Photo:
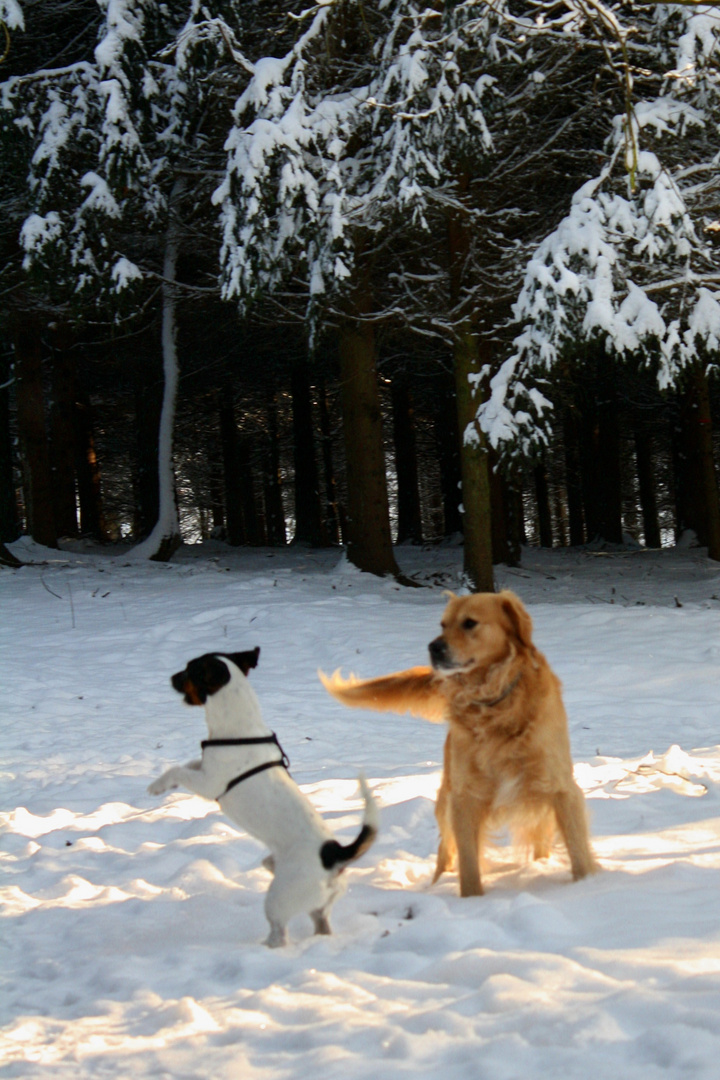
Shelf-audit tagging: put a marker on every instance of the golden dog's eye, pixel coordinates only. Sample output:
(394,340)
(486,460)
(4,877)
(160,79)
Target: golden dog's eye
(469,624)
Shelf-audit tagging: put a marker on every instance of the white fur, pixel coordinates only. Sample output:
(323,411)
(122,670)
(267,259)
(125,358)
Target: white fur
(269,806)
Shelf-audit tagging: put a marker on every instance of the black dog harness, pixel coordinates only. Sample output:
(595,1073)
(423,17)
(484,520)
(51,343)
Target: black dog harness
(252,741)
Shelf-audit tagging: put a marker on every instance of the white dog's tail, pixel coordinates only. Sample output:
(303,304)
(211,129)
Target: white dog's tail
(334,854)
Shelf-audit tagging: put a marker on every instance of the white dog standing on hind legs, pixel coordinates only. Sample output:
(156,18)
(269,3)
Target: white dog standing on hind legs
(244,768)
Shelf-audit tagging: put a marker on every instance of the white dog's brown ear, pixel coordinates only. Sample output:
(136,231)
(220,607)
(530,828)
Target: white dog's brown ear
(518,616)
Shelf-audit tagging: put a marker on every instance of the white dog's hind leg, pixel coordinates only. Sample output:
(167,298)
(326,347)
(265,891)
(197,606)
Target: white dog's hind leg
(280,906)
(277,935)
(299,886)
(320,921)
(321,915)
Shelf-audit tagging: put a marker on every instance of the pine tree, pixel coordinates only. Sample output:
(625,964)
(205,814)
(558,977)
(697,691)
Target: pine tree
(109,140)
(631,267)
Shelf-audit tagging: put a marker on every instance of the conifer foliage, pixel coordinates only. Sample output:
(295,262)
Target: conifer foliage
(517,196)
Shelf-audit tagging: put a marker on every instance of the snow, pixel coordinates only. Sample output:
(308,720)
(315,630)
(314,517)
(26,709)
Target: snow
(124,273)
(591,279)
(704,323)
(37,231)
(124,24)
(11,14)
(132,925)
(697,43)
(57,131)
(99,196)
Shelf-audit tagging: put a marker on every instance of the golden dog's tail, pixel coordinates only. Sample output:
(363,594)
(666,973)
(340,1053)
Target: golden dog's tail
(415,691)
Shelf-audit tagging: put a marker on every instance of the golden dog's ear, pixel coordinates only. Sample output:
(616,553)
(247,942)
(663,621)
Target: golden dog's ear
(518,615)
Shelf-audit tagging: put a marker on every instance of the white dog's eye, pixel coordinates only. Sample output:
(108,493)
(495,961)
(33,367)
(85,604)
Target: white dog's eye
(469,624)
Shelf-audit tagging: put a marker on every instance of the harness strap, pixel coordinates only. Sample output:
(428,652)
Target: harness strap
(251,772)
(251,740)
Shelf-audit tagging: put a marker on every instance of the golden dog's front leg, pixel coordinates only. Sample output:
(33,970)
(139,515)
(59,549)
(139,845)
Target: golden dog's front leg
(447,851)
(572,821)
(468,815)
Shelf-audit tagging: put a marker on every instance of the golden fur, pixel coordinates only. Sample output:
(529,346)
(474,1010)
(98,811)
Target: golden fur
(507,754)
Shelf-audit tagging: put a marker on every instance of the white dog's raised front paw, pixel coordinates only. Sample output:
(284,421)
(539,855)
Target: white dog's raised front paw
(166,782)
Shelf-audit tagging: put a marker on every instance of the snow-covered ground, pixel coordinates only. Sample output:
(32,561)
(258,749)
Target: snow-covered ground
(130,941)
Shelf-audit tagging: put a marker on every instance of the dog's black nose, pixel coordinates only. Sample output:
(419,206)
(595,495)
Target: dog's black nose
(178,681)
(438,650)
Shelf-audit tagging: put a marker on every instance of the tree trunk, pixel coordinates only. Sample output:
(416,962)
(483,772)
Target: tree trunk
(92,518)
(498,511)
(560,509)
(588,452)
(148,409)
(646,485)
(308,522)
(448,442)
(409,516)
(515,519)
(702,507)
(683,479)
(274,511)
(64,435)
(215,485)
(477,530)
(165,539)
(599,441)
(369,543)
(332,517)
(35,457)
(609,454)
(246,476)
(7,558)
(707,464)
(573,483)
(477,534)
(542,495)
(9,525)
(234,523)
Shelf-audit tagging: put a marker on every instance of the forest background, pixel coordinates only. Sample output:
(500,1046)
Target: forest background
(360,271)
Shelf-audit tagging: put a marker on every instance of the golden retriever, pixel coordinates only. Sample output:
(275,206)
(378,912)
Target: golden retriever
(507,754)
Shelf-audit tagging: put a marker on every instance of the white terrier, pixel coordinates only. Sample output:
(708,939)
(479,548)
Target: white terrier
(256,792)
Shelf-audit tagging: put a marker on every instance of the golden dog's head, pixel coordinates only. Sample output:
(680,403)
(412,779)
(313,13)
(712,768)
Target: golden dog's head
(479,630)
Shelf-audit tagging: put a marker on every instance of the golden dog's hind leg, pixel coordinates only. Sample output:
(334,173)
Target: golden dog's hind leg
(446,855)
(537,838)
(572,821)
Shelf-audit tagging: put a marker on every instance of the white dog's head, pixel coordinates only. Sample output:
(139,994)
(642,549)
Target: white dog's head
(207,674)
